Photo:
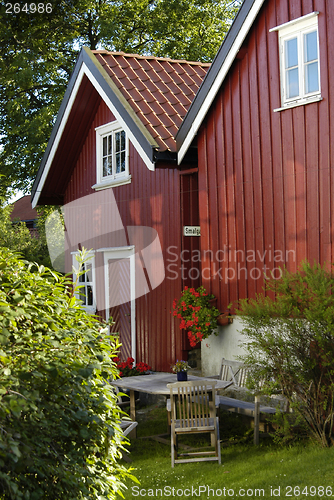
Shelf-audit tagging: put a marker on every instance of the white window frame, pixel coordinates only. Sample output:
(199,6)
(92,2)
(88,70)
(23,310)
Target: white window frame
(297,29)
(115,179)
(91,309)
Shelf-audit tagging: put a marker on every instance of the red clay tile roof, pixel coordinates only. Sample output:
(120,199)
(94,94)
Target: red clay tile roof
(159,90)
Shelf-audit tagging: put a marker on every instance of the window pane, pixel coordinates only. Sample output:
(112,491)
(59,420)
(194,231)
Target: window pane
(89,273)
(105,142)
(311,77)
(109,165)
(310,47)
(89,295)
(118,163)
(82,296)
(123,161)
(109,144)
(123,140)
(292,84)
(117,141)
(105,167)
(291,53)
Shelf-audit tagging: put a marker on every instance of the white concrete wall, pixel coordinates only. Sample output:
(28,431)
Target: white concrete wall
(227,344)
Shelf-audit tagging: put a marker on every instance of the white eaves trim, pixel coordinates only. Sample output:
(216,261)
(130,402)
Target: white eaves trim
(85,71)
(297,21)
(220,78)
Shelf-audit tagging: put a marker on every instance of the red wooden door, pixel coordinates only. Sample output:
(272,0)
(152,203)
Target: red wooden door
(190,256)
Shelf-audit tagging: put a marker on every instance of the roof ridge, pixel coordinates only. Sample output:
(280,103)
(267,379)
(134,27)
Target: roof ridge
(157,58)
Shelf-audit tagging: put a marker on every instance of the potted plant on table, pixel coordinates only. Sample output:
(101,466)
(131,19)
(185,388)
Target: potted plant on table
(197,314)
(181,368)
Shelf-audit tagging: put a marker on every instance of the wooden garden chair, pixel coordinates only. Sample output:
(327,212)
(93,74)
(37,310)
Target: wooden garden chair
(193,411)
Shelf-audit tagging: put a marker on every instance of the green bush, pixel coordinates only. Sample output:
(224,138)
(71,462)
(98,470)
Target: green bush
(59,432)
(290,344)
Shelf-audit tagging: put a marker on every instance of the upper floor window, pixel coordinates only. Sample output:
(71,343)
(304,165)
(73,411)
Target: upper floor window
(299,60)
(112,156)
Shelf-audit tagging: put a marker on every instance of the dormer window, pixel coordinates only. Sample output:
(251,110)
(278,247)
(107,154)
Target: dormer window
(299,61)
(112,156)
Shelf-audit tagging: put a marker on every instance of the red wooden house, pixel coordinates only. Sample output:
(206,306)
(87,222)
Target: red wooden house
(254,167)
(262,124)
(111,163)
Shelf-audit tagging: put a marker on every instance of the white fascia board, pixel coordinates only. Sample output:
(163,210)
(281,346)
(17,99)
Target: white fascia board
(299,20)
(220,78)
(85,71)
(58,136)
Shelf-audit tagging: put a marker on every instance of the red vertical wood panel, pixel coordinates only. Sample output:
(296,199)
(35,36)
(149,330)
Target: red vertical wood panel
(230,277)
(289,188)
(276,135)
(300,193)
(265,257)
(213,206)
(324,141)
(256,154)
(312,175)
(203,202)
(240,254)
(222,230)
(248,175)
(328,73)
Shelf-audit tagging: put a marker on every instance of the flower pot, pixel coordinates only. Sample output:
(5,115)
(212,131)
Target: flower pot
(182,376)
(224,319)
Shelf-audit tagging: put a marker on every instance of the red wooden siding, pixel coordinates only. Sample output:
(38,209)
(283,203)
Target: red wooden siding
(151,199)
(265,178)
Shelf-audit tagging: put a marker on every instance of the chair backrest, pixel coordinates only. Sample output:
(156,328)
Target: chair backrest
(234,372)
(193,403)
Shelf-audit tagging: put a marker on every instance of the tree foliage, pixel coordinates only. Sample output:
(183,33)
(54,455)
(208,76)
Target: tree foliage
(17,237)
(289,342)
(38,52)
(59,431)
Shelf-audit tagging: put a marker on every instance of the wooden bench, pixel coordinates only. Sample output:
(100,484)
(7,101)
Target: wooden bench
(238,373)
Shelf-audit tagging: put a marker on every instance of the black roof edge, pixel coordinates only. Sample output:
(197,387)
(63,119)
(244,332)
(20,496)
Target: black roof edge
(213,71)
(165,156)
(86,57)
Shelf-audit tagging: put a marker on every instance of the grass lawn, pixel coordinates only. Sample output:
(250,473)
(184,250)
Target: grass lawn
(267,471)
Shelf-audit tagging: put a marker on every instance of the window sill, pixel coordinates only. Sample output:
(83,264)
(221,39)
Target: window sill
(112,183)
(300,102)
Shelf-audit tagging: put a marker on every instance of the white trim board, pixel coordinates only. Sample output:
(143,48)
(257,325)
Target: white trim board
(219,79)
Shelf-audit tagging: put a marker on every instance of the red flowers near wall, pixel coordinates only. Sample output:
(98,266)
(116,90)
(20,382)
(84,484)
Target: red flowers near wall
(126,368)
(196,313)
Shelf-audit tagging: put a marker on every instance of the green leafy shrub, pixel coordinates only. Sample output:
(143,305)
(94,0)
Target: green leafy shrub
(290,344)
(59,432)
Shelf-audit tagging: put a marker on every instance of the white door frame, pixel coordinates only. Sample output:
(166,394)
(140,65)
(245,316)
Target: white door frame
(127,252)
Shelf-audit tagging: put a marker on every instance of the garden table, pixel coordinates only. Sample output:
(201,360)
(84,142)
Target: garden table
(156,383)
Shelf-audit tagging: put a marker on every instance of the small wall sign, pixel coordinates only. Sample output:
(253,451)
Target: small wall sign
(191,231)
